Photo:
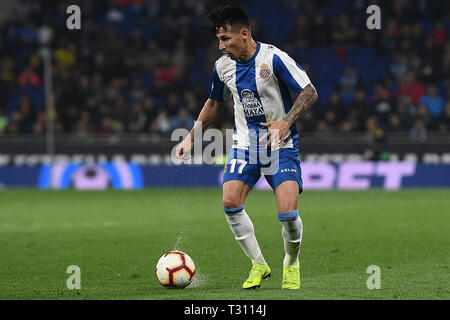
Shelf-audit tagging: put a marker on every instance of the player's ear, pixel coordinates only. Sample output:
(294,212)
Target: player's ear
(245,33)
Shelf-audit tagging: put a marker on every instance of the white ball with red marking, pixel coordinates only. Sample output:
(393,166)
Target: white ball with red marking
(175,269)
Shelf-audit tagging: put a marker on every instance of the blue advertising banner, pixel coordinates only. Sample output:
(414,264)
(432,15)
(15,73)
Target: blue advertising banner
(127,176)
(101,176)
(182,176)
(19,176)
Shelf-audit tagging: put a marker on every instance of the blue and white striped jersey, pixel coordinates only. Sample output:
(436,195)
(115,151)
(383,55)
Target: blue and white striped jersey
(261,89)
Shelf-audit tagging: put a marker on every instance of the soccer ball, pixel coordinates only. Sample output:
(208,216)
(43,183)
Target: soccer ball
(175,269)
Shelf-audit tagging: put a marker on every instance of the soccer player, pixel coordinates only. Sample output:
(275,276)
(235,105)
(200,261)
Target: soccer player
(260,79)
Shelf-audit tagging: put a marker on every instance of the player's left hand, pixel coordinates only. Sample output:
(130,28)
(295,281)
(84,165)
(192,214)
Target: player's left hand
(276,134)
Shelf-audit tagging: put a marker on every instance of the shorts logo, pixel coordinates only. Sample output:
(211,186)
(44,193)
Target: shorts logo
(288,170)
(264,73)
(251,105)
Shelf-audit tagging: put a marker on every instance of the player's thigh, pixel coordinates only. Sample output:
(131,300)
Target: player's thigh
(234,193)
(286,195)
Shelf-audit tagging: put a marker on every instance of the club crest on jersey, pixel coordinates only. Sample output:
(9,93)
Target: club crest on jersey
(264,73)
(251,105)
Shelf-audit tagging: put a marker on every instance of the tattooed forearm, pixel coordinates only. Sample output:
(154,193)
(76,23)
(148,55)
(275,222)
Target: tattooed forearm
(302,104)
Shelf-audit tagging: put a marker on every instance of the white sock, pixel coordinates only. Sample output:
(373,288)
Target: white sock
(244,233)
(292,237)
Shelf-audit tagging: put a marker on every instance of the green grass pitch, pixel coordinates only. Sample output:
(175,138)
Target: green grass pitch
(116,238)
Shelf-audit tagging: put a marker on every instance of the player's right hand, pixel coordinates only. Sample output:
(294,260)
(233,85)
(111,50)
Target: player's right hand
(183,150)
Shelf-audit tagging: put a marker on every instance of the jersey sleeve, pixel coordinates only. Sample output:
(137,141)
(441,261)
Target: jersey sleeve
(219,91)
(290,72)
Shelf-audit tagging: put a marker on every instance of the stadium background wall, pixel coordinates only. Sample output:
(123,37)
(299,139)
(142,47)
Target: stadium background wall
(128,176)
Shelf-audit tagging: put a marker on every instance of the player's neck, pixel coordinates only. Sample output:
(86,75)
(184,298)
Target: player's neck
(249,51)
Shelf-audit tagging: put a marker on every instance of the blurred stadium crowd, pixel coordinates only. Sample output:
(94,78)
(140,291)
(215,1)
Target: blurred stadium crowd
(144,66)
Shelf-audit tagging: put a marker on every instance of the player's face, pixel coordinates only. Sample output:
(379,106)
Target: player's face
(231,42)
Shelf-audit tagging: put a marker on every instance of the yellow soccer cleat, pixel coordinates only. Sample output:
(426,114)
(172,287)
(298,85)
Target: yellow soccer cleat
(257,273)
(291,277)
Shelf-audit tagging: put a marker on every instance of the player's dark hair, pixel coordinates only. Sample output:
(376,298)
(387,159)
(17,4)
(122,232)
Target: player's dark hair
(235,16)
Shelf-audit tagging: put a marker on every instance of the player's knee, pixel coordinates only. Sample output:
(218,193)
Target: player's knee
(287,207)
(230,203)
